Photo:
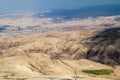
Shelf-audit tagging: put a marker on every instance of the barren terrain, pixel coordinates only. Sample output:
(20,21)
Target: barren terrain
(59,51)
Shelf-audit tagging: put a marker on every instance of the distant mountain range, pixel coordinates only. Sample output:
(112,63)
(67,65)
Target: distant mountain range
(91,11)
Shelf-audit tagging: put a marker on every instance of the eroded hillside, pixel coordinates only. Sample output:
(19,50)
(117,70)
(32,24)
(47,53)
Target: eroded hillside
(57,56)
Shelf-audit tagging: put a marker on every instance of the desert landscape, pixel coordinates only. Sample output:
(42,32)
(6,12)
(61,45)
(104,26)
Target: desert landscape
(62,52)
(60,40)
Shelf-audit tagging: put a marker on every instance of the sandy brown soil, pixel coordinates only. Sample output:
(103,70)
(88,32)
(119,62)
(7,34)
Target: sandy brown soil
(50,57)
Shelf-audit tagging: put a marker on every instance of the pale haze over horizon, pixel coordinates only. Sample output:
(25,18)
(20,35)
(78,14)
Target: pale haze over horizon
(38,5)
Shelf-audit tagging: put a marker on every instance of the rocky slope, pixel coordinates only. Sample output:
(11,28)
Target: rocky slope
(60,45)
(41,67)
(61,55)
(97,45)
(105,47)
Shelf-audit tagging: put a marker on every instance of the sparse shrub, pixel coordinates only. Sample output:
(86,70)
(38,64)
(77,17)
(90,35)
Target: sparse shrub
(99,72)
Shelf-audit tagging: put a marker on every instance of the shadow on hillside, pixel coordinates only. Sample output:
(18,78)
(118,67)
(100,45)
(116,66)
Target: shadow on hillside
(104,47)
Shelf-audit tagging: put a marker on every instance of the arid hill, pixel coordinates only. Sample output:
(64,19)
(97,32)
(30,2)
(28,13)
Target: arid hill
(97,45)
(61,56)
(105,47)
(40,67)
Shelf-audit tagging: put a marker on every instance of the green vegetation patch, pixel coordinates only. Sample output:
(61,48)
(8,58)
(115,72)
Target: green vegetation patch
(99,72)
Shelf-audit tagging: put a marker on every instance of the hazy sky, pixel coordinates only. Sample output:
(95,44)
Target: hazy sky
(37,5)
